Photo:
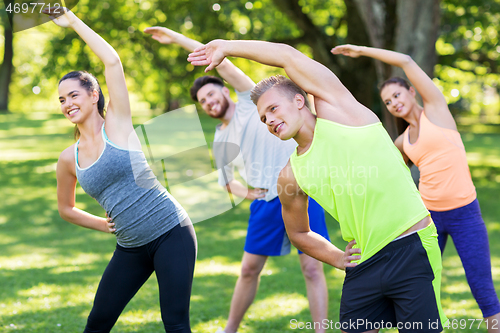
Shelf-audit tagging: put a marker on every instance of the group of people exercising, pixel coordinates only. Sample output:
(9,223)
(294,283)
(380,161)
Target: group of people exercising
(338,158)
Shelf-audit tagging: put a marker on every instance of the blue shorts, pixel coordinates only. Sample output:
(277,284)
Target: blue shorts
(266,234)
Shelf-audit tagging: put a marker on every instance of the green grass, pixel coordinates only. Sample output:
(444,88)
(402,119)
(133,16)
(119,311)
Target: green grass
(49,269)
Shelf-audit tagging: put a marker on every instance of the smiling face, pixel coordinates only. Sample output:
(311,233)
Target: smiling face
(398,100)
(76,102)
(213,99)
(281,115)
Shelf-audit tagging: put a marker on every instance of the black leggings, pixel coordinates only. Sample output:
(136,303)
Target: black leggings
(172,257)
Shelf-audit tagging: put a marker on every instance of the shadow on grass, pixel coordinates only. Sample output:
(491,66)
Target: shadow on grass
(49,269)
(282,293)
(20,120)
(63,319)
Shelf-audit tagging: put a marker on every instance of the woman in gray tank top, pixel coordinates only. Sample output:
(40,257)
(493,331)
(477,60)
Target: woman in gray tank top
(153,231)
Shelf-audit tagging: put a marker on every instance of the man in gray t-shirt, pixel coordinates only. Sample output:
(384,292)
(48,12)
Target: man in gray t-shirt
(259,159)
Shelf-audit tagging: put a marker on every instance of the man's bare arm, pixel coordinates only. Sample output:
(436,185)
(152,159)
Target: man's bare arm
(310,75)
(235,76)
(227,70)
(294,209)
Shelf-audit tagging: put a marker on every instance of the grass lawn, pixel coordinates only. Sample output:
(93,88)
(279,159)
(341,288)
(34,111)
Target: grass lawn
(49,269)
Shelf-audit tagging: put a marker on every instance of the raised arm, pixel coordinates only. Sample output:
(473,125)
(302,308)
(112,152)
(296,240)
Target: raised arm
(294,209)
(235,76)
(311,76)
(119,105)
(434,102)
(167,36)
(227,70)
(66,182)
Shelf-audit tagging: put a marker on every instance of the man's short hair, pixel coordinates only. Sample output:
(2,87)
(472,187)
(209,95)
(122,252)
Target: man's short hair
(285,86)
(201,81)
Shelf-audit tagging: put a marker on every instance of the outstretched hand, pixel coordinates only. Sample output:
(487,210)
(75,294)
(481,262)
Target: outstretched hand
(352,51)
(350,255)
(211,54)
(61,16)
(161,34)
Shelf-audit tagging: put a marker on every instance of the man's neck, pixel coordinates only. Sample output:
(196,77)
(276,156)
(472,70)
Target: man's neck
(305,134)
(226,119)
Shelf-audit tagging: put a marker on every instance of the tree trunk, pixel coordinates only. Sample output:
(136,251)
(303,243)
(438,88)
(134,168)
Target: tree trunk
(358,75)
(379,17)
(417,32)
(409,27)
(6,67)
(312,35)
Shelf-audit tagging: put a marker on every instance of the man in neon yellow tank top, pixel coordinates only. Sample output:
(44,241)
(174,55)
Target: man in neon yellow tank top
(346,161)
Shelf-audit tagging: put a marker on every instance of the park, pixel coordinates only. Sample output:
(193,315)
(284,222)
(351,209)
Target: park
(50,269)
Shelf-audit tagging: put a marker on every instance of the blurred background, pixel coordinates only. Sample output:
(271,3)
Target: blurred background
(50,269)
(455,41)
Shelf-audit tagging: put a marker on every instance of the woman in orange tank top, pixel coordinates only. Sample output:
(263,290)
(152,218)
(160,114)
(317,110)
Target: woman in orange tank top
(431,141)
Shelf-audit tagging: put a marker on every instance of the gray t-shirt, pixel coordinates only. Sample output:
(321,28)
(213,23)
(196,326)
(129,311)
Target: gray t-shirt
(261,156)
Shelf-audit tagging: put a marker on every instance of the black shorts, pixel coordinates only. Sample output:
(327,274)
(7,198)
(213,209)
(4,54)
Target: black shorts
(399,287)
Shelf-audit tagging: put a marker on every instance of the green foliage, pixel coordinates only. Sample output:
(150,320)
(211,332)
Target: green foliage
(327,14)
(29,73)
(159,76)
(468,69)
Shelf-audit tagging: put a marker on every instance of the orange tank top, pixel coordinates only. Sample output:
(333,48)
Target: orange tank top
(439,153)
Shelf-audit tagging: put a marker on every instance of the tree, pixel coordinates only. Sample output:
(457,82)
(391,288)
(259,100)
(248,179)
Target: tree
(469,61)
(161,76)
(409,27)
(6,68)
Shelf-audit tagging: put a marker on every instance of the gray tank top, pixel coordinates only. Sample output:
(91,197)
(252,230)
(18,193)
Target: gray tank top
(124,185)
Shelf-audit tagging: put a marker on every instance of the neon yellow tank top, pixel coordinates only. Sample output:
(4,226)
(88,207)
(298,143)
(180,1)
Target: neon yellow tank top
(360,178)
